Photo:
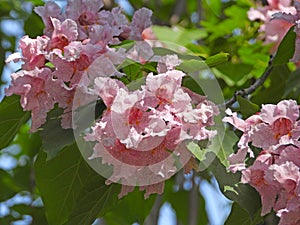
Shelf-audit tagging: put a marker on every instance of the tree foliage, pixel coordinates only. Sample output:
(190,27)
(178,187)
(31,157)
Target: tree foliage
(51,172)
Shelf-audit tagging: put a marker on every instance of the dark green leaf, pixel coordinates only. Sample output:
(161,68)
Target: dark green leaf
(62,181)
(12,117)
(247,108)
(33,26)
(235,73)
(94,200)
(274,92)
(8,187)
(286,48)
(37,213)
(293,85)
(132,208)
(241,217)
(54,137)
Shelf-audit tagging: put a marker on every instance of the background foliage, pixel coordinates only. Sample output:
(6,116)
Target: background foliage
(55,191)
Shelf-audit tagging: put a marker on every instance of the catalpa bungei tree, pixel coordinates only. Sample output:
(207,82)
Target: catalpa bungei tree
(140,107)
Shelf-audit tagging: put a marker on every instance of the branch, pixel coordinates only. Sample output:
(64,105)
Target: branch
(253,87)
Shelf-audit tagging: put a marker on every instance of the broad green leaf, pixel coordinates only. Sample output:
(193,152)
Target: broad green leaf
(54,137)
(131,208)
(293,85)
(241,217)
(12,117)
(33,25)
(286,48)
(247,108)
(61,182)
(94,200)
(234,74)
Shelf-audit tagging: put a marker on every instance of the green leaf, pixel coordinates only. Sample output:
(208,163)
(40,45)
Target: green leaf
(221,147)
(242,194)
(273,93)
(54,137)
(178,35)
(131,208)
(37,213)
(33,26)
(286,48)
(8,187)
(62,182)
(226,146)
(240,216)
(234,73)
(12,117)
(247,108)
(293,85)
(94,200)
(196,150)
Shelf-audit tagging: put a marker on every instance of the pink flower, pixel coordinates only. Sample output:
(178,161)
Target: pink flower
(168,62)
(275,173)
(32,52)
(63,33)
(274,126)
(274,30)
(140,21)
(141,129)
(255,176)
(31,86)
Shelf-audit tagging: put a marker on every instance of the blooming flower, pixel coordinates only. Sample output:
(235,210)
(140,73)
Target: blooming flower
(141,129)
(75,46)
(274,30)
(275,173)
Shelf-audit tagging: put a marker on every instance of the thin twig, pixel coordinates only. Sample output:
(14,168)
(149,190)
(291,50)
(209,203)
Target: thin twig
(253,87)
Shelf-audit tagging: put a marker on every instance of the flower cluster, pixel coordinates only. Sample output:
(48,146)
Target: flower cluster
(146,128)
(74,39)
(275,173)
(274,30)
(141,133)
